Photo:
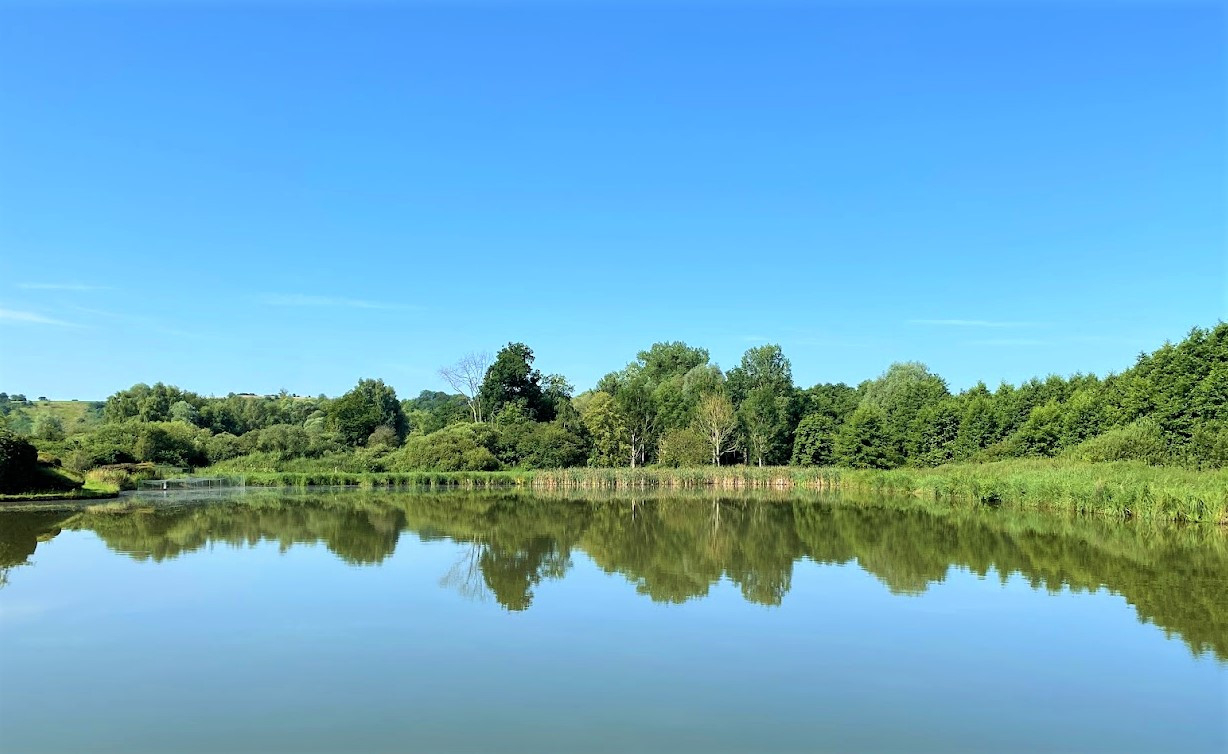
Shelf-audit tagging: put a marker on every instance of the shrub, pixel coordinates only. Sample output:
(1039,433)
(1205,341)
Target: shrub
(18,463)
(460,447)
(683,447)
(1138,441)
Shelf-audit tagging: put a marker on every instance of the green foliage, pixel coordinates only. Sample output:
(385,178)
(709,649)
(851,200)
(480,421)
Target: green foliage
(18,463)
(371,404)
(683,447)
(432,410)
(223,446)
(1141,440)
(459,447)
(170,443)
(814,442)
(863,441)
(606,426)
(182,411)
(383,437)
(512,379)
(1208,447)
(1041,434)
(1171,407)
(550,446)
(49,427)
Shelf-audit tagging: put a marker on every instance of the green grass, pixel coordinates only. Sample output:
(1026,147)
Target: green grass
(1117,490)
(87,492)
(76,416)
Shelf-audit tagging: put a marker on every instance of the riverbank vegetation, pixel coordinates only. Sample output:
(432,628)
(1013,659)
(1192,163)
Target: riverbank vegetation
(672,408)
(1119,489)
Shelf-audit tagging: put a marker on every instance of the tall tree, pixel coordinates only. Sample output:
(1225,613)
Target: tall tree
(606,425)
(715,418)
(511,378)
(370,404)
(767,403)
(466,376)
(863,441)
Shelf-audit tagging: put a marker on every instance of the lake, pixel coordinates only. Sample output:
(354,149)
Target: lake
(347,620)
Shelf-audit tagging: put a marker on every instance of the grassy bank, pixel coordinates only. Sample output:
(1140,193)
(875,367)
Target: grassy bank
(81,493)
(1118,490)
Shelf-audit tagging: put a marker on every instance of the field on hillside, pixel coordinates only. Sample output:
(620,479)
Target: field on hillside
(76,416)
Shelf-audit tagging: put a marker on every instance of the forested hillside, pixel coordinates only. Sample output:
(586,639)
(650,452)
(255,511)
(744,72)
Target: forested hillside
(671,406)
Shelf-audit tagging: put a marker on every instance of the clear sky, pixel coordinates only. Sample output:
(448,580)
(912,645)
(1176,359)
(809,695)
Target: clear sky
(242,197)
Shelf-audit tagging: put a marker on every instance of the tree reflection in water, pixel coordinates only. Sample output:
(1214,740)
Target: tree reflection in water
(674,548)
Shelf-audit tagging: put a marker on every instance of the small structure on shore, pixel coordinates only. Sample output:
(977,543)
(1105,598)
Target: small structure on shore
(190,483)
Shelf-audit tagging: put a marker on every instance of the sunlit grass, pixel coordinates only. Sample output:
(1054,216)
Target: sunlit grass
(1118,490)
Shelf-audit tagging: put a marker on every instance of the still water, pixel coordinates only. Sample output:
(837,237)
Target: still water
(369,621)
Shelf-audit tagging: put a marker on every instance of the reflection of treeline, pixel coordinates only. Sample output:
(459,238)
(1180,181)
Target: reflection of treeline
(675,548)
(357,531)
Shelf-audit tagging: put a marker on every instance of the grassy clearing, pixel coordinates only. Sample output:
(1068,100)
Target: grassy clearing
(1118,490)
(75,416)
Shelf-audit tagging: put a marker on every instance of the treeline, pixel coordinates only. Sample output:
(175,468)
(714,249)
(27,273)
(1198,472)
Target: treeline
(672,406)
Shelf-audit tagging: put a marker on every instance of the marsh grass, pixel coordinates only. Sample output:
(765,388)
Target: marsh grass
(1116,490)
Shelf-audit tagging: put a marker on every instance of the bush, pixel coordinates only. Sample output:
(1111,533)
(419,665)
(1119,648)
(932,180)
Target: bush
(1139,441)
(460,447)
(173,443)
(383,437)
(223,446)
(683,447)
(49,427)
(1209,446)
(18,463)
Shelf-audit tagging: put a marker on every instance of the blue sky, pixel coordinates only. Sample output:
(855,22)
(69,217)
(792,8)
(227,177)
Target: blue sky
(242,197)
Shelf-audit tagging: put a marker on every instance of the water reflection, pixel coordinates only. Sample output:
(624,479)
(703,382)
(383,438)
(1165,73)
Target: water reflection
(675,548)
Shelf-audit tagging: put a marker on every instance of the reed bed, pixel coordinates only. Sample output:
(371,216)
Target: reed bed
(1117,490)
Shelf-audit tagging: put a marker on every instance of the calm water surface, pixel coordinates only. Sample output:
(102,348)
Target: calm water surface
(367,621)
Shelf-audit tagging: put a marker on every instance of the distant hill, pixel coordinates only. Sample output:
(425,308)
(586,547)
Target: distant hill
(76,417)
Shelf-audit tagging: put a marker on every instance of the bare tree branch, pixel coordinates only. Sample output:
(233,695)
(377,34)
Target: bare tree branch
(466,376)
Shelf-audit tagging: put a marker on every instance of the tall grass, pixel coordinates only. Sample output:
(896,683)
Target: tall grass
(1118,489)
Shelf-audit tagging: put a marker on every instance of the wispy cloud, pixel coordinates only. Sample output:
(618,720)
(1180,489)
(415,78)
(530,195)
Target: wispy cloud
(62,287)
(31,318)
(299,299)
(150,324)
(969,323)
(1011,342)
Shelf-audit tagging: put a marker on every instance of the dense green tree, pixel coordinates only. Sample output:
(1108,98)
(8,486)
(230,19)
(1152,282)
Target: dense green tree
(900,394)
(182,411)
(368,405)
(18,463)
(433,410)
(814,441)
(1041,434)
(863,441)
(511,378)
(606,426)
(762,418)
(49,427)
(637,405)
(683,447)
(933,433)
(458,447)
(761,387)
(979,425)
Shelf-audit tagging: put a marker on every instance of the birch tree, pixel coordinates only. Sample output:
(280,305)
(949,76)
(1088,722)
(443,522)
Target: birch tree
(715,418)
